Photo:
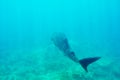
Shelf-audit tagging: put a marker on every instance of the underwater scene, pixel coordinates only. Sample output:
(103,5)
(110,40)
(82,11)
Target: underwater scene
(59,39)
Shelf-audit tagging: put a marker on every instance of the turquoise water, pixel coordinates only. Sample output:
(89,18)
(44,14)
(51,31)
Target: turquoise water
(26,49)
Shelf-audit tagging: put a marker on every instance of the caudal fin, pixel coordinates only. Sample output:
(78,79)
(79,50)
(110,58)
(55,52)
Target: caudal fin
(86,61)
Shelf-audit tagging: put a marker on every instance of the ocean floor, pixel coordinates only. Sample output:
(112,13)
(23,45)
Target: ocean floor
(50,64)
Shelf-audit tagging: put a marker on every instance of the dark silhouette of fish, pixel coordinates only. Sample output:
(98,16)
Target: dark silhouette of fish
(61,41)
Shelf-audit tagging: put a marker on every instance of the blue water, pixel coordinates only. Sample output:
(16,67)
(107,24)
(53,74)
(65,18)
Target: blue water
(26,26)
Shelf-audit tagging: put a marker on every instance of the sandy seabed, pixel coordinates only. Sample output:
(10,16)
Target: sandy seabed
(51,64)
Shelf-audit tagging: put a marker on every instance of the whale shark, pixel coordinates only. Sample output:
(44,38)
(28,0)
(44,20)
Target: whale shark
(61,42)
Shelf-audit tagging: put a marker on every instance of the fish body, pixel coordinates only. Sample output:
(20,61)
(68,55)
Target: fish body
(61,42)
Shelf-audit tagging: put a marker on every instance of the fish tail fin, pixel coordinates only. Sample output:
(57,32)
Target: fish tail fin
(86,61)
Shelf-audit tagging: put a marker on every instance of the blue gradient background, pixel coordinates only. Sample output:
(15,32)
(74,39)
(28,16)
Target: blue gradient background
(27,25)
